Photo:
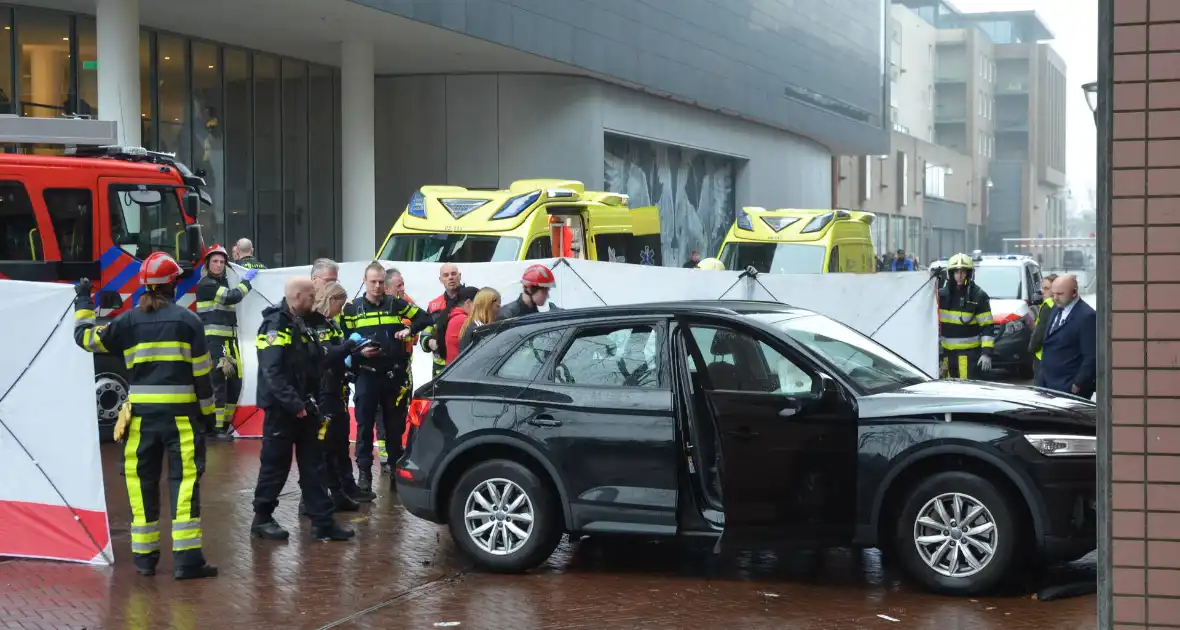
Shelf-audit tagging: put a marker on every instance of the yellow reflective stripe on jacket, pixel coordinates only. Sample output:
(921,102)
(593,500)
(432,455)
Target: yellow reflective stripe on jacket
(272,339)
(984,319)
(206,307)
(961,343)
(374,319)
(202,365)
(84,316)
(162,394)
(157,351)
(220,330)
(222,292)
(948,316)
(92,341)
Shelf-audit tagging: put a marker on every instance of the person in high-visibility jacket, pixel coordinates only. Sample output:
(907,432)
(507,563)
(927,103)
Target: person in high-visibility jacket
(435,336)
(1037,341)
(966,336)
(216,304)
(395,286)
(171,398)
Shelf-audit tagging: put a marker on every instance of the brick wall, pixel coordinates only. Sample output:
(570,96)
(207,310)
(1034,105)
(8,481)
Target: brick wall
(1145,323)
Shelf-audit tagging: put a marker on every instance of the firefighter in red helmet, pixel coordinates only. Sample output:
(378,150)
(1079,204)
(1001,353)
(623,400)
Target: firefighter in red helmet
(171,399)
(535,285)
(216,304)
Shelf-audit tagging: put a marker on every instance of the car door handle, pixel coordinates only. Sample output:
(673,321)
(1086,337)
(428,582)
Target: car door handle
(543,420)
(788,412)
(744,433)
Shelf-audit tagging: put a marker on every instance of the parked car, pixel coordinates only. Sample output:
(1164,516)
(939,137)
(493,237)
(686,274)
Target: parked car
(756,422)
(1013,284)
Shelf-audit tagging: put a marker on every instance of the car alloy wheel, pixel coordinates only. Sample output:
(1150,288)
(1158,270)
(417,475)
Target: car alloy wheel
(499,516)
(956,535)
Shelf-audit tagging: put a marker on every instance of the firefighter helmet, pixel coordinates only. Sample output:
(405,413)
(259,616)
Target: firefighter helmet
(158,269)
(960,261)
(215,249)
(711,264)
(538,276)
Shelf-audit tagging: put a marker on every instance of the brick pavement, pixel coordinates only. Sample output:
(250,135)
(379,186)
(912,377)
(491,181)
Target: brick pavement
(404,573)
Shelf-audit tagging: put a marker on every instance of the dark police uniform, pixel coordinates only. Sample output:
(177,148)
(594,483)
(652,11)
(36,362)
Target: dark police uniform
(965,328)
(380,381)
(171,401)
(399,412)
(288,380)
(335,421)
(249,262)
(216,304)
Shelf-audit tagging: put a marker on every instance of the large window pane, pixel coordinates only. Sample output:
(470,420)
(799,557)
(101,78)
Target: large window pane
(268,161)
(44,43)
(239,156)
(296,250)
(208,153)
(172,60)
(147,99)
(86,32)
(322,162)
(6,86)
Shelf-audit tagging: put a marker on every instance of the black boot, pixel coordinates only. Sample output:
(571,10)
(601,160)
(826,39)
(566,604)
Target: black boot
(333,532)
(345,503)
(194,572)
(364,481)
(145,563)
(269,530)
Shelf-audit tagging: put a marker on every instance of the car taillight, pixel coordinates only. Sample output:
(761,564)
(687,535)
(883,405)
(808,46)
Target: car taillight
(419,407)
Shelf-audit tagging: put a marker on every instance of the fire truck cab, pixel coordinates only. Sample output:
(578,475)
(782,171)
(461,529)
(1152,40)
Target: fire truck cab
(97,212)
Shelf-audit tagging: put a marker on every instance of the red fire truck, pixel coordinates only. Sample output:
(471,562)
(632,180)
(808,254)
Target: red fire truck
(97,211)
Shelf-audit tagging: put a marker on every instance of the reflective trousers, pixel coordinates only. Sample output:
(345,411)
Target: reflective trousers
(149,440)
(282,435)
(963,364)
(226,390)
(375,391)
(337,463)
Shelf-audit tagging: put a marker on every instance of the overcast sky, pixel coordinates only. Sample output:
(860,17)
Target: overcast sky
(1074,24)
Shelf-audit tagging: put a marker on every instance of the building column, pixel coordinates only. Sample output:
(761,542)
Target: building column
(118,67)
(358,172)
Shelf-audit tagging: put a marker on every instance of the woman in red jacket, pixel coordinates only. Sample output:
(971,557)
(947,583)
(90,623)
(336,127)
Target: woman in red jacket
(458,315)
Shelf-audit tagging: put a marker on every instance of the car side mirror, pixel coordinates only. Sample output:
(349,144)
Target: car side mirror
(192,241)
(826,389)
(192,205)
(108,299)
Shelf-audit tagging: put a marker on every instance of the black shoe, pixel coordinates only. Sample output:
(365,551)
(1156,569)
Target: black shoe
(269,530)
(364,481)
(145,571)
(345,503)
(195,573)
(332,532)
(361,496)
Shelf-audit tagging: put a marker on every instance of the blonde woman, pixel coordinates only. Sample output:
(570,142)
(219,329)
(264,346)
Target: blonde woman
(485,309)
(333,397)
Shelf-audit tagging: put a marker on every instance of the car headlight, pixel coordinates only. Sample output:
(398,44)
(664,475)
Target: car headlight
(1063,445)
(1014,326)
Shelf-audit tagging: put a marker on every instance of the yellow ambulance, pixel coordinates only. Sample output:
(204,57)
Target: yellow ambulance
(800,241)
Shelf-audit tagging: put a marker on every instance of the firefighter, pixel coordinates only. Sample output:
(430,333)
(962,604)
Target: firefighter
(171,400)
(289,359)
(395,285)
(332,398)
(244,255)
(381,368)
(965,322)
(535,285)
(434,337)
(216,304)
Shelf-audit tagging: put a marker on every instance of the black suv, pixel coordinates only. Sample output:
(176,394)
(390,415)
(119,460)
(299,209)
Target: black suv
(762,422)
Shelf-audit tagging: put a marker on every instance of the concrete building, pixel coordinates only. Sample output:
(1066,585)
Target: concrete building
(911,72)
(315,119)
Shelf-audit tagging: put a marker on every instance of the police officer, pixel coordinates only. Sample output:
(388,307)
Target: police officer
(1036,342)
(332,398)
(244,255)
(381,368)
(171,401)
(395,285)
(965,322)
(434,337)
(535,284)
(216,305)
(288,379)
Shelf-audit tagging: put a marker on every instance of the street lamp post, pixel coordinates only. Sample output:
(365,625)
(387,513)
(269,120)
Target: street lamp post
(1091,90)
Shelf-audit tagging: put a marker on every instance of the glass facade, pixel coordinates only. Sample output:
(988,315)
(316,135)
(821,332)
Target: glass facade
(263,128)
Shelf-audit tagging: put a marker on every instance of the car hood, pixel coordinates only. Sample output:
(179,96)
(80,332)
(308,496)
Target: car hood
(1001,308)
(954,396)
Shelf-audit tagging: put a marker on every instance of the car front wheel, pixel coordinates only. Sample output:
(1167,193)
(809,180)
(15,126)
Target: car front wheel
(504,516)
(957,533)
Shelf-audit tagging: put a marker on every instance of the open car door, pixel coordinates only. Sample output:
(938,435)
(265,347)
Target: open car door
(788,437)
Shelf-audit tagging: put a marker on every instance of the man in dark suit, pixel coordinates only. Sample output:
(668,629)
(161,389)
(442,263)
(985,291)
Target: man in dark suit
(1069,362)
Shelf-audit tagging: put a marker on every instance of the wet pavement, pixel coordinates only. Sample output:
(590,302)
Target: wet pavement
(404,573)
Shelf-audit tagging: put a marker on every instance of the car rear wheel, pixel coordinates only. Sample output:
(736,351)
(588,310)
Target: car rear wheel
(504,516)
(957,533)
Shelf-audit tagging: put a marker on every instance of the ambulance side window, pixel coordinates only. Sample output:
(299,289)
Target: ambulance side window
(834,260)
(20,240)
(540,247)
(70,210)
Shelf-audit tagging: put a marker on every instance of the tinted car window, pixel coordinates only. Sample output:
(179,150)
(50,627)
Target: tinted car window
(618,357)
(526,361)
(737,361)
